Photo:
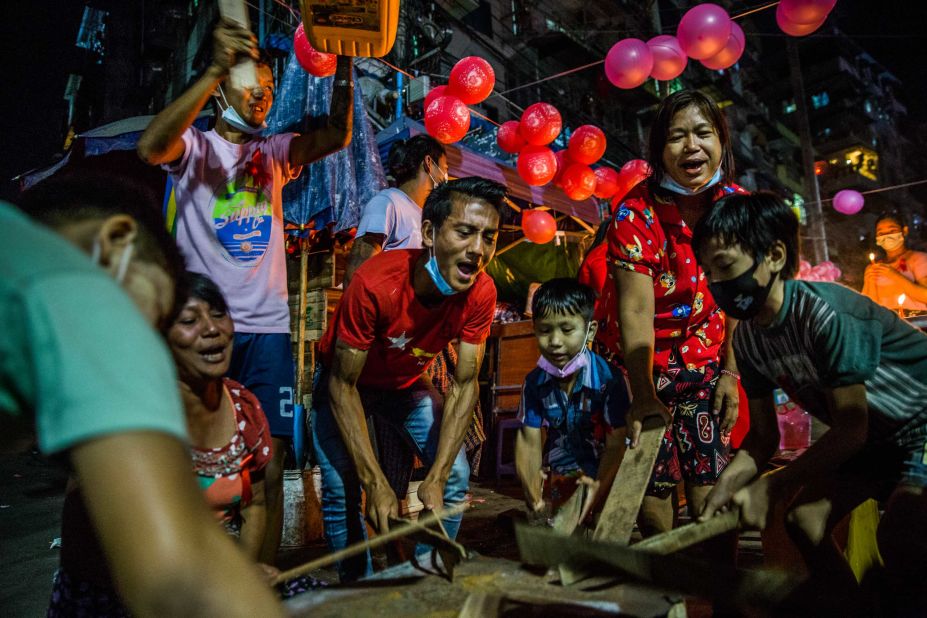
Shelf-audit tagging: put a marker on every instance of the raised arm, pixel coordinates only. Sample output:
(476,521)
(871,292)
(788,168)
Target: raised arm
(348,411)
(635,319)
(186,565)
(458,409)
(161,142)
(336,134)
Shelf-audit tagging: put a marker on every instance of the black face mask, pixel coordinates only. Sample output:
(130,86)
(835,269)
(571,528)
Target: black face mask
(741,297)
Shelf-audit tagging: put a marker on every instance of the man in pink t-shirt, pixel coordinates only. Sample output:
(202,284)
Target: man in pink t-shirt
(402,308)
(227,185)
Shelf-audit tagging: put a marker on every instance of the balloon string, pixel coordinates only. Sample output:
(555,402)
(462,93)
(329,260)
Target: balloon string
(476,113)
(555,76)
(756,10)
(890,188)
(395,68)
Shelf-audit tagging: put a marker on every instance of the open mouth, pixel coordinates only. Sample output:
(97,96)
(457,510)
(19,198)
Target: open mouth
(693,168)
(215,354)
(467,269)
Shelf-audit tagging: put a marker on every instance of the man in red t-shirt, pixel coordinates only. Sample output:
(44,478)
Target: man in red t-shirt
(400,310)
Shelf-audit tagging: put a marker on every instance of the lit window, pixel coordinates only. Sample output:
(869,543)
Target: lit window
(822,99)
(788,107)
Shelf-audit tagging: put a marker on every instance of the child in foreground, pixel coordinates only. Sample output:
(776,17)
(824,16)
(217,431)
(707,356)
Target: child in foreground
(574,394)
(850,362)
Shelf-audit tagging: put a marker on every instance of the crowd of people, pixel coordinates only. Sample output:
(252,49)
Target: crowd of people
(182,437)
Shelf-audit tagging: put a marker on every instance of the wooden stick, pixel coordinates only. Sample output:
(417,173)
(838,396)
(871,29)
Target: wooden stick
(363,546)
(690,534)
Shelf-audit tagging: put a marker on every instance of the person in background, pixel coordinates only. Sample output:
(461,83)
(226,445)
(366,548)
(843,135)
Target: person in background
(402,308)
(674,342)
(81,358)
(392,219)
(573,394)
(904,270)
(227,186)
(855,366)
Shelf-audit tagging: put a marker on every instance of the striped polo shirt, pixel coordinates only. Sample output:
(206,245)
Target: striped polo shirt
(826,336)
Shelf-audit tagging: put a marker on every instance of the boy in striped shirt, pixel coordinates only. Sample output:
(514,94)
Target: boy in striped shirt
(850,362)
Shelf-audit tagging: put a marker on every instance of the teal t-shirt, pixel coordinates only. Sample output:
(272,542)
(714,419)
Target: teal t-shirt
(827,335)
(75,353)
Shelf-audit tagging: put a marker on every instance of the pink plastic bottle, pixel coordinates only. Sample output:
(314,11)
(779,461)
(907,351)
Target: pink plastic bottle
(794,424)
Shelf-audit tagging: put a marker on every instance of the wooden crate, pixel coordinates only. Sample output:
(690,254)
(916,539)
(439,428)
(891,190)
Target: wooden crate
(320,306)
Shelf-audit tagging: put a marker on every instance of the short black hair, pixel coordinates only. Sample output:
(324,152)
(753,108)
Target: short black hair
(563,296)
(78,196)
(195,285)
(753,222)
(406,156)
(439,202)
(659,132)
(897,217)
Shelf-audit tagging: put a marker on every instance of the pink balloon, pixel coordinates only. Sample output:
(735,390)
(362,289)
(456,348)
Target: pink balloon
(731,53)
(669,61)
(704,31)
(472,80)
(628,63)
(536,165)
(434,93)
(508,137)
(806,11)
(587,144)
(540,124)
(793,29)
(848,202)
(313,61)
(447,119)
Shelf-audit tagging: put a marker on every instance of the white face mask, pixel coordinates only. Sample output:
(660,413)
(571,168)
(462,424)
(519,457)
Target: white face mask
(123,267)
(890,242)
(436,183)
(234,119)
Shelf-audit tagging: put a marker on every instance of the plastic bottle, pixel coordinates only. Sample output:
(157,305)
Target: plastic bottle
(351,27)
(794,423)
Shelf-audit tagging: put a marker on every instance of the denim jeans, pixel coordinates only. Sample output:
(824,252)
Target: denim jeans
(416,411)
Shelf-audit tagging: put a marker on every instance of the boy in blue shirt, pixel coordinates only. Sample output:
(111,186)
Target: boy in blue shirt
(574,394)
(850,362)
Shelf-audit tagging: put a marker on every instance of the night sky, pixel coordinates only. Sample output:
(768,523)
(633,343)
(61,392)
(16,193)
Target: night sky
(41,53)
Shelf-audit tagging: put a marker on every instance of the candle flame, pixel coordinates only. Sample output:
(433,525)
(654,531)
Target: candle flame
(901,299)
(872,257)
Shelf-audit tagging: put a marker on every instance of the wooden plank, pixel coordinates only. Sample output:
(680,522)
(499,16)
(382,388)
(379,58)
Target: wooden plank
(714,581)
(481,605)
(690,534)
(624,500)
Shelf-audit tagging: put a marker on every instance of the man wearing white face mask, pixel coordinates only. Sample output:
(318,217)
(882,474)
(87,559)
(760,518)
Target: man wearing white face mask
(229,225)
(904,271)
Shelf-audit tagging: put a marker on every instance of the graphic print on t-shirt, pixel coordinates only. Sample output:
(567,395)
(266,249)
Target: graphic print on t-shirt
(242,215)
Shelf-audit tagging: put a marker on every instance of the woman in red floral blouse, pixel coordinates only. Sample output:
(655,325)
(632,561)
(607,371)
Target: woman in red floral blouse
(662,320)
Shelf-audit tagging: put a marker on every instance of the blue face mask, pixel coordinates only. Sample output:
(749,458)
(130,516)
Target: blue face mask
(671,185)
(436,277)
(234,119)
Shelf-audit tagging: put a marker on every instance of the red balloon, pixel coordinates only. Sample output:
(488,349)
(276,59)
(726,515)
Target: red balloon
(540,124)
(628,63)
(314,62)
(731,53)
(637,168)
(434,93)
(563,161)
(806,11)
(606,182)
(669,61)
(578,181)
(447,119)
(587,144)
(508,137)
(793,29)
(539,226)
(536,165)
(472,80)
(704,30)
